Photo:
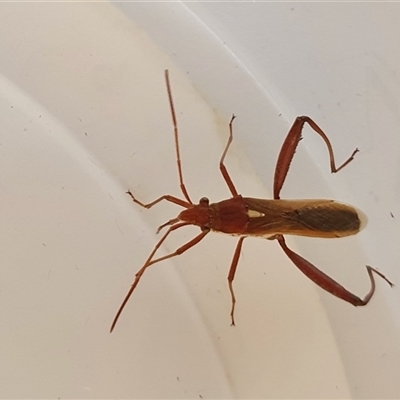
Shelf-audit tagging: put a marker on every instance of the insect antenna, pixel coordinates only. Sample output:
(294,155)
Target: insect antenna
(147,264)
(176,134)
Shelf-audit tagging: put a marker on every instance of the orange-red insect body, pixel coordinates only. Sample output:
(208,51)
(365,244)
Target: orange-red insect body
(247,216)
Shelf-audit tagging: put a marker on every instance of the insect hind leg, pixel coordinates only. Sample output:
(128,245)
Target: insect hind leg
(327,283)
(289,148)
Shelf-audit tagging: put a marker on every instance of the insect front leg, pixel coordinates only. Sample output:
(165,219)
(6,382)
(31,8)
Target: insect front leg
(327,283)
(289,148)
(166,197)
(184,203)
(231,276)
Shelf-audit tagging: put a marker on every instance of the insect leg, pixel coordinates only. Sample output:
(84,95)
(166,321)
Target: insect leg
(176,134)
(150,262)
(372,290)
(222,167)
(289,148)
(167,197)
(327,283)
(231,276)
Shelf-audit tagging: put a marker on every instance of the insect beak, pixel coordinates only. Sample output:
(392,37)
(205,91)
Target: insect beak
(170,222)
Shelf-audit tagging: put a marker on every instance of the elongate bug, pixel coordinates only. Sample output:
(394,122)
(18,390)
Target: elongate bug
(266,218)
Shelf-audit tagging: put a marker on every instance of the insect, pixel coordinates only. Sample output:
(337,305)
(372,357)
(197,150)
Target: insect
(265,218)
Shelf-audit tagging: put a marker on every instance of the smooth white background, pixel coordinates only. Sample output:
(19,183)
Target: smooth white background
(84,117)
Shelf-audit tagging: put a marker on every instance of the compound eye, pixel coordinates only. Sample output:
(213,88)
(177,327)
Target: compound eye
(204,201)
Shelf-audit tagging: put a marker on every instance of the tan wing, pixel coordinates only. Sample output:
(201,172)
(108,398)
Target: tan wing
(315,218)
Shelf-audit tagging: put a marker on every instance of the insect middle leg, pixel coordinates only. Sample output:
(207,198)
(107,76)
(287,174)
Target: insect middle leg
(231,276)
(289,148)
(222,167)
(232,188)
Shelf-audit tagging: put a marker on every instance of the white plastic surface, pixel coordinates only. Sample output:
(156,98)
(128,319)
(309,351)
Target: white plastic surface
(84,117)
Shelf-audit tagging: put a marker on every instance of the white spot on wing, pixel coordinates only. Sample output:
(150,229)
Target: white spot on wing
(254,214)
